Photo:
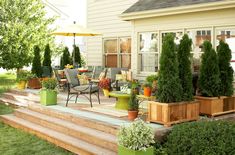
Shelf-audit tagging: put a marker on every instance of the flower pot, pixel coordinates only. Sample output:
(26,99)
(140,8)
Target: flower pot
(125,151)
(34,83)
(106,92)
(132,115)
(48,97)
(147,91)
(21,85)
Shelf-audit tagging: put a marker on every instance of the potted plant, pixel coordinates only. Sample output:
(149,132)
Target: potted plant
(175,102)
(48,94)
(136,139)
(35,78)
(147,89)
(105,84)
(22,78)
(135,86)
(153,80)
(133,107)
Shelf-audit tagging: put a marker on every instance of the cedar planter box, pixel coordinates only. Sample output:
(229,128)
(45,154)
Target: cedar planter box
(172,113)
(34,83)
(214,106)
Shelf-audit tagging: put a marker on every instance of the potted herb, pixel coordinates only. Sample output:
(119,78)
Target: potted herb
(147,89)
(105,84)
(22,78)
(48,94)
(153,80)
(136,139)
(133,107)
(135,86)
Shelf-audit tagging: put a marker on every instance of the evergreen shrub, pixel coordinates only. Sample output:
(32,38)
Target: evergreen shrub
(47,57)
(37,66)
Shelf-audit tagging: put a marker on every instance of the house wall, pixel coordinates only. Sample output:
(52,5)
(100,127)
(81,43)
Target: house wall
(207,19)
(103,17)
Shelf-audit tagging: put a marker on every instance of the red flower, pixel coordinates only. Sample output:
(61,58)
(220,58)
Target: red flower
(105,83)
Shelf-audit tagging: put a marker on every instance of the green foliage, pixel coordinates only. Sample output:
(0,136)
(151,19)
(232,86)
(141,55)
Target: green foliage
(66,57)
(4,109)
(23,25)
(22,75)
(226,71)
(7,81)
(47,57)
(49,84)
(137,136)
(151,78)
(37,66)
(204,138)
(209,77)
(169,87)
(185,73)
(133,104)
(147,84)
(76,55)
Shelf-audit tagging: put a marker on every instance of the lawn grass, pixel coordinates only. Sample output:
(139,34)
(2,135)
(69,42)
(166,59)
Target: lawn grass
(7,81)
(17,142)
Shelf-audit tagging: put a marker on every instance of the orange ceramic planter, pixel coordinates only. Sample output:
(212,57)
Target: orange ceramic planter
(147,91)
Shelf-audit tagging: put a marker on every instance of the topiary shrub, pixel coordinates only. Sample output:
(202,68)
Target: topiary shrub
(66,57)
(37,66)
(204,138)
(76,55)
(185,72)
(47,57)
(169,87)
(209,77)
(226,71)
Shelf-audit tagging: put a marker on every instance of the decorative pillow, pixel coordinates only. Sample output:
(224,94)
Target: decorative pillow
(129,75)
(102,75)
(124,74)
(83,79)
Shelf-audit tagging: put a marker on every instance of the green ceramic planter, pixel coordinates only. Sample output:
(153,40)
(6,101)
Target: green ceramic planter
(48,97)
(125,151)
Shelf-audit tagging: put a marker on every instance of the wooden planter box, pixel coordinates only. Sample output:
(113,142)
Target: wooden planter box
(214,106)
(34,83)
(172,113)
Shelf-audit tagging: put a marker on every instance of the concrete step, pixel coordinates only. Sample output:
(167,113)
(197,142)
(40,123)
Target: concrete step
(82,121)
(89,135)
(72,144)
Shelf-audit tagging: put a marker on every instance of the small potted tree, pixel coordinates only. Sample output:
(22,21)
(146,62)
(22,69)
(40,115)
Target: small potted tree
(133,107)
(136,139)
(105,84)
(147,89)
(153,80)
(22,78)
(48,94)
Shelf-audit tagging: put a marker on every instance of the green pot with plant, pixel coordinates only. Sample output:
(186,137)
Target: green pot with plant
(136,139)
(147,89)
(105,84)
(48,93)
(133,107)
(22,78)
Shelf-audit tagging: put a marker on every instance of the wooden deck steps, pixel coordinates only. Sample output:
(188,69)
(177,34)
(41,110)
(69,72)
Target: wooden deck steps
(70,143)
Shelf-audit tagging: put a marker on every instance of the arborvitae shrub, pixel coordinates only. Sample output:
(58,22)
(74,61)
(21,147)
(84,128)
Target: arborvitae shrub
(201,138)
(66,59)
(185,72)
(76,55)
(226,71)
(169,87)
(47,57)
(37,66)
(209,77)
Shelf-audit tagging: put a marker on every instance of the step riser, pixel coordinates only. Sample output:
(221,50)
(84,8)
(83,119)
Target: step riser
(68,131)
(47,137)
(77,120)
(21,99)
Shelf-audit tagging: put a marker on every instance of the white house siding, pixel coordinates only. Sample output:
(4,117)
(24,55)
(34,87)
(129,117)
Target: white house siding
(103,17)
(207,19)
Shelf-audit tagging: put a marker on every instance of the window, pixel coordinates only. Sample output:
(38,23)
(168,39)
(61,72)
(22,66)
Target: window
(148,52)
(177,36)
(198,37)
(117,52)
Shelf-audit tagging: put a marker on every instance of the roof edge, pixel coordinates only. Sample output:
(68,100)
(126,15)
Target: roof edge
(177,10)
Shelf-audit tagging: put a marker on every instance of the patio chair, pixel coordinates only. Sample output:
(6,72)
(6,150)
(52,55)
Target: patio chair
(74,87)
(62,83)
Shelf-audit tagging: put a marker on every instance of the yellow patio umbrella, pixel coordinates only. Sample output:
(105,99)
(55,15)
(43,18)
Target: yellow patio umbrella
(75,30)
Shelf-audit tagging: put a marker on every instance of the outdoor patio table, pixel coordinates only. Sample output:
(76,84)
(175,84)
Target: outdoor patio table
(122,99)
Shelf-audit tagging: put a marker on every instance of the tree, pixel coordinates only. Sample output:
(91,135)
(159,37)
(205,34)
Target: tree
(76,55)
(23,25)
(169,87)
(37,66)
(47,57)
(66,57)
(226,71)
(209,77)
(185,72)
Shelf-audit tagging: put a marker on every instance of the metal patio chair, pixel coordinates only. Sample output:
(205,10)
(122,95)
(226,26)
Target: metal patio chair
(74,87)
(62,83)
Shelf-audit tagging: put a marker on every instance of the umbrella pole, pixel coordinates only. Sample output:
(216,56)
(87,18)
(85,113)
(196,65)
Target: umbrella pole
(73,49)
